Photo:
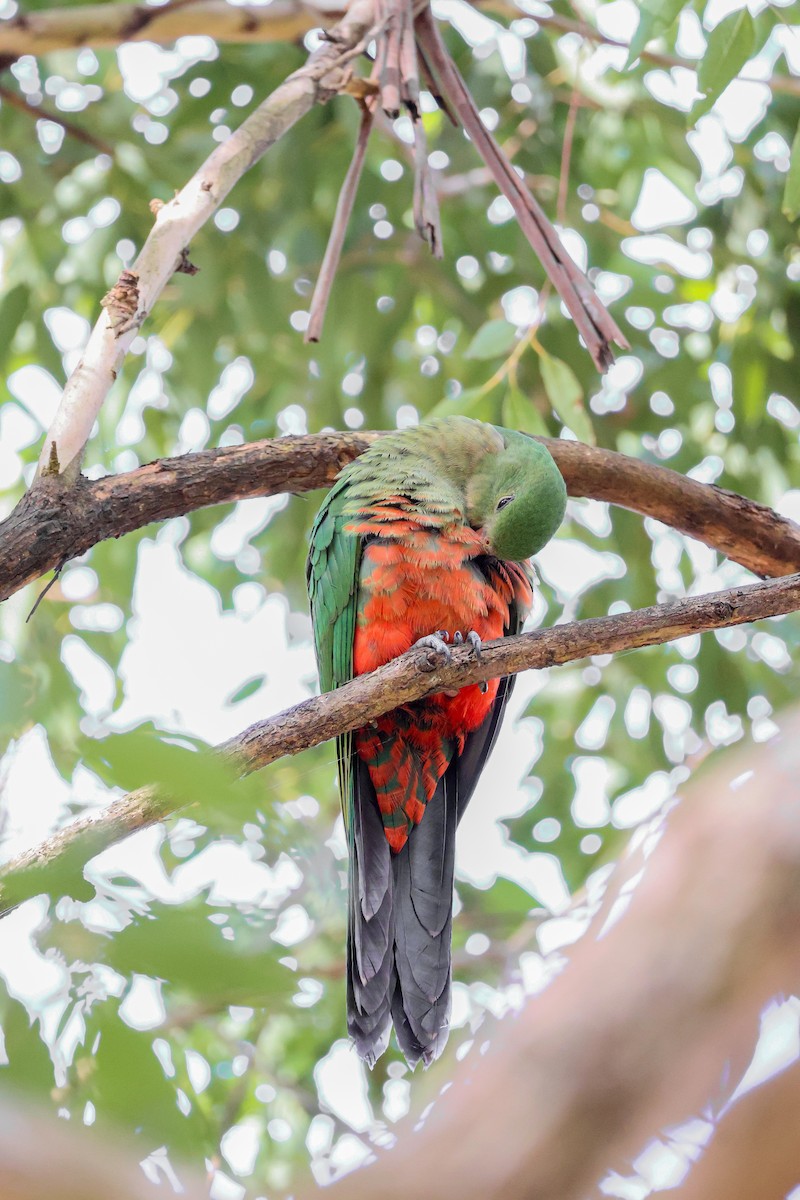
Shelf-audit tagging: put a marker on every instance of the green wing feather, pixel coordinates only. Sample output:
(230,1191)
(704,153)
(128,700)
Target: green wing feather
(332,568)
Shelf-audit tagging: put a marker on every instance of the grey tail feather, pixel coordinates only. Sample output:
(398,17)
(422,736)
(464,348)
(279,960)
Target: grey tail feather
(398,953)
(401,908)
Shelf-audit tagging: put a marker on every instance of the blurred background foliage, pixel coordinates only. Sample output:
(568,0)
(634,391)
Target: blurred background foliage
(190,989)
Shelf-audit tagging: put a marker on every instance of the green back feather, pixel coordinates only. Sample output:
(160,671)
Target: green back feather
(332,576)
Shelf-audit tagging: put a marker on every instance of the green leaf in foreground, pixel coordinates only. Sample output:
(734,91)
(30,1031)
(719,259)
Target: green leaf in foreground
(520,412)
(566,396)
(730,45)
(655,17)
(492,340)
(791,193)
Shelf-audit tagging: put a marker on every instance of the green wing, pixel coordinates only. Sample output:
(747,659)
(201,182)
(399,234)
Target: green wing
(334,558)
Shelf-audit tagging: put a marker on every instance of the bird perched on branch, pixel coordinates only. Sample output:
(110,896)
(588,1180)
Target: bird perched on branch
(424,538)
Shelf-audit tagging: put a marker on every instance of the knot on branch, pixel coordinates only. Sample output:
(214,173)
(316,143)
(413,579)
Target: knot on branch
(122,302)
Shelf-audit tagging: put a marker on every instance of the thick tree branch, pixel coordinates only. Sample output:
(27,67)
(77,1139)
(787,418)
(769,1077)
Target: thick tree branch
(753,1153)
(102,25)
(54,523)
(177,221)
(638,1029)
(410,677)
(43,1156)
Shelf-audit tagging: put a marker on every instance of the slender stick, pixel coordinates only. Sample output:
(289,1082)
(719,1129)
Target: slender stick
(344,208)
(426,201)
(595,324)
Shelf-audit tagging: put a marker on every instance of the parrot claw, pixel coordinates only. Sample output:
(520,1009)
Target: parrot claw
(441,651)
(458,638)
(474,639)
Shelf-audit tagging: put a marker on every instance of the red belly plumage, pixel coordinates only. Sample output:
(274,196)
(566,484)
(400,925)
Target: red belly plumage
(415,581)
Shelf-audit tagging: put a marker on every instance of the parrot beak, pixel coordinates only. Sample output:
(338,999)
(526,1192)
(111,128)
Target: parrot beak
(484,539)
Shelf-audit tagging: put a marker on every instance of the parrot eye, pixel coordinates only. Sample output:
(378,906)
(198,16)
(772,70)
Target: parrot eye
(503,502)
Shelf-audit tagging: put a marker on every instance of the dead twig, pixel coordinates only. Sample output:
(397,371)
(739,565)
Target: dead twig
(595,324)
(341,219)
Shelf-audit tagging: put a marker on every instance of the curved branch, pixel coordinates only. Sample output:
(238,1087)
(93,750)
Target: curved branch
(128,303)
(54,523)
(414,675)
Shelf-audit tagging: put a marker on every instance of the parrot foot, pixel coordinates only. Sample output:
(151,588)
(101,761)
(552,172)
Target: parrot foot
(437,643)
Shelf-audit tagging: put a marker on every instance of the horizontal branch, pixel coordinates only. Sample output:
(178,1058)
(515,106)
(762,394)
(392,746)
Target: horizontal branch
(638,1029)
(103,25)
(410,677)
(422,673)
(53,522)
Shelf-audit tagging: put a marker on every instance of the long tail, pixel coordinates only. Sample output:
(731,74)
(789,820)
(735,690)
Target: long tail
(399,926)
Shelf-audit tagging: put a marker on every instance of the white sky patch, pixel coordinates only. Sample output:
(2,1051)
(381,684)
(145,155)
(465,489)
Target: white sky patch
(28,770)
(661,203)
(37,390)
(657,248)
(342,1086)
(202,653)
(240,1145)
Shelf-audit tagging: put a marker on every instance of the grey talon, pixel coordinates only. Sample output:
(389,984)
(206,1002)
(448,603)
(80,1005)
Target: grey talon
(474,640)
(458,638)
(434,642)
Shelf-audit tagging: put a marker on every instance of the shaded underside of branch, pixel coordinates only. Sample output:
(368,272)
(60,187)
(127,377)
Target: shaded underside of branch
(414,675)
(54,522)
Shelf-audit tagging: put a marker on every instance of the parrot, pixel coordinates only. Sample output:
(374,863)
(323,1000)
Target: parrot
(423,539)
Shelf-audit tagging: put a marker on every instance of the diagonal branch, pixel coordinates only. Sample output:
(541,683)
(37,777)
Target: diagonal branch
(53,523)
(341,219)
(410,677)
(595,324)
(176,224)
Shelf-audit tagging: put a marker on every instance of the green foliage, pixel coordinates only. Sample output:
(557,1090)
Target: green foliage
(190,981)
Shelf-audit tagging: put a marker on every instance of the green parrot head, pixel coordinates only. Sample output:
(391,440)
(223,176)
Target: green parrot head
(517,497)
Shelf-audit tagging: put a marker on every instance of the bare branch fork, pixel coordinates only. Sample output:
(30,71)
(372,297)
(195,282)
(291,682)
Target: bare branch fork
(414,675)
(129,302)
(325,74)
(408,32)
